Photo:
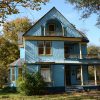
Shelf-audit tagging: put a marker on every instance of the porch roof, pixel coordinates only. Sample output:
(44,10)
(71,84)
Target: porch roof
(80,61)
(19,62)
(73,61)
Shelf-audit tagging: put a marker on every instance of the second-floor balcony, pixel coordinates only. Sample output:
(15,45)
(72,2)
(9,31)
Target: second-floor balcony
(52,33)
(84,56)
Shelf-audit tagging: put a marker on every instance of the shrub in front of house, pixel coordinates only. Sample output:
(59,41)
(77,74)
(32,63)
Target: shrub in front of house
(31,84)
(9,90)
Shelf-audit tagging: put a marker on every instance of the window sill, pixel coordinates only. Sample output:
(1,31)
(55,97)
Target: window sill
(45,54)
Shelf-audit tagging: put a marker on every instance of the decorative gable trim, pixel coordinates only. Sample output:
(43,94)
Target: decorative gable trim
(38,21)
(69,24)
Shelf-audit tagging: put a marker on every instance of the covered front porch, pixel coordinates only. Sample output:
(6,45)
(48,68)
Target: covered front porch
(82,75)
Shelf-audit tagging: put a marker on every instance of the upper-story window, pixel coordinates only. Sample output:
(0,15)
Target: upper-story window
(51,27)
(44,47)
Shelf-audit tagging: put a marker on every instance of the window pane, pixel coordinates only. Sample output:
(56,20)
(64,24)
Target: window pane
(41,50)
(48,44)
(46,74)
(13,77)
(13,71)
(78,73)
(40,44)
(48,51)
(20,71)
(51,27)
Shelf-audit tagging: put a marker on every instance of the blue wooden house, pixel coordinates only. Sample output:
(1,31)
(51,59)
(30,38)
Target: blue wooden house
(55,48)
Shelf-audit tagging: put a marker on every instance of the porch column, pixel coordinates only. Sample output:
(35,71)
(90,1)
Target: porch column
(81,75)
(80,51)
(95,75)
(63,30)
(44,30)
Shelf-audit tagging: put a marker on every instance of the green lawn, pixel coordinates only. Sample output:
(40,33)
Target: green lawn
(73,96)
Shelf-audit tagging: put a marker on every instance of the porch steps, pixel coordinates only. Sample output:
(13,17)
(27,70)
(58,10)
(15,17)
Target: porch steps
(71,89)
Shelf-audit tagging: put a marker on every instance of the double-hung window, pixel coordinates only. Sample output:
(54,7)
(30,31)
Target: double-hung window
(46,73)
(13,73)
(44,47)
(20,72)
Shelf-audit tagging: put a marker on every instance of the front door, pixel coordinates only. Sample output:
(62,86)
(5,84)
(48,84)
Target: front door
(67,75)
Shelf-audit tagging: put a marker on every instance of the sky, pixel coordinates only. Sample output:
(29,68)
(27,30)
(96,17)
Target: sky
(70,13)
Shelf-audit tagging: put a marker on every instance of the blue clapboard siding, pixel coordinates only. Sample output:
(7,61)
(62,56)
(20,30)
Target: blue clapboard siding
(22,53)
(33,68)
(54,14)
(31,52)
(58,75)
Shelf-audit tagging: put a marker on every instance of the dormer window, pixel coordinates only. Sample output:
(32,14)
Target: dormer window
(51,28)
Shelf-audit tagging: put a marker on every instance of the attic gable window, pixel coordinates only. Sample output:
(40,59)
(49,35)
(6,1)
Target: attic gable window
(51,28)
(44,47)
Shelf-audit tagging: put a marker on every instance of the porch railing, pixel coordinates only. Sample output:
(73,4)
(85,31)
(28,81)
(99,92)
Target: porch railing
(92,82)
(84,56)
(51,33)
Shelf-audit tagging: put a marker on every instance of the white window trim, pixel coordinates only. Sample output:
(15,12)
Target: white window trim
(49,68)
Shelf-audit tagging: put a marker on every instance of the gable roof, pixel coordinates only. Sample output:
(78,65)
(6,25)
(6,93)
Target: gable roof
(81,33)
(38,20)
(18,62)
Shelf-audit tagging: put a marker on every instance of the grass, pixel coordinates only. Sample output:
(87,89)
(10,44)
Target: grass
(93,95)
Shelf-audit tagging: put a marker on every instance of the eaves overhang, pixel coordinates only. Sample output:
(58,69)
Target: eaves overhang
(55,38)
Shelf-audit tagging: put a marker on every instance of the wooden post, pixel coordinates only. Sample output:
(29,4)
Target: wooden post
(63,31)
(44,30)
(80,50)
(81,75)
(95,75)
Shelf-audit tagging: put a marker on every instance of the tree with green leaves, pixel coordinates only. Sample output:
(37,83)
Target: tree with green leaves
(9,51)
(9,7)
(88,7)
(12,28)
(92,49)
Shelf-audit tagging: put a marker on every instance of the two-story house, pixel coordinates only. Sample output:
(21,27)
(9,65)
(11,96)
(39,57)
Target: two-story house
(55,48)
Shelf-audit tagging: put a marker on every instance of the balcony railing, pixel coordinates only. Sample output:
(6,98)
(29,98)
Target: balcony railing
(51,33)
(84,56)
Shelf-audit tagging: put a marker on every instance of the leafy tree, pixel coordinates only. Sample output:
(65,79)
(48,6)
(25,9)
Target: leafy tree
(11,29)
(88,7)
(8,53)
(9,7)
(92,49)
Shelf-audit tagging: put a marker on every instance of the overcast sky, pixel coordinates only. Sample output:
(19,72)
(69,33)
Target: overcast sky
(87,26)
